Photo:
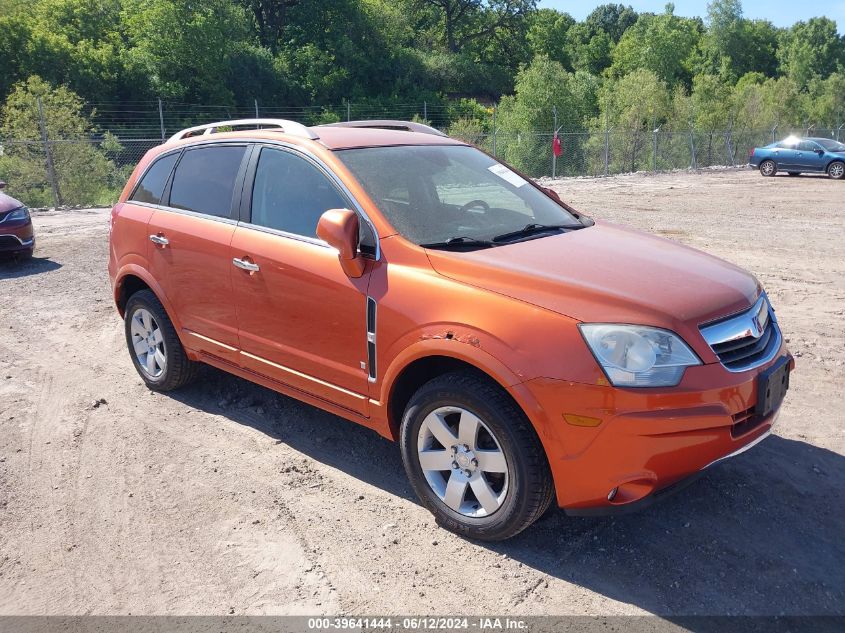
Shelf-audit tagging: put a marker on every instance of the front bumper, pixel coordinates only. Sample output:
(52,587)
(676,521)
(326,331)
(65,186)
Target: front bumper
(644,443)
(14,239)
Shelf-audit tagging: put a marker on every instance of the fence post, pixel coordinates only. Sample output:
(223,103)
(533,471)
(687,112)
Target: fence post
(838,130)
(256,109)
(161,119)
(348,111)
(494,130)
(606,144)
(729,148)
(654,149)
(694,163)
(774,131)
(425,110)
(554,131)
(51,172)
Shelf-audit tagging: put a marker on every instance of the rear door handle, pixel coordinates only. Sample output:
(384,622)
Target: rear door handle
(160,240)
(245,265)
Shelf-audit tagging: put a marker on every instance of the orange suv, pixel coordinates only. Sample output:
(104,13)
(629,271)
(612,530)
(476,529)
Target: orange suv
(517,350)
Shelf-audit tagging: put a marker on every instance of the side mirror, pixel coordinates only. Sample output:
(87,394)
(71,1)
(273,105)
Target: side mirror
(339,229)
(2,185)
(820,152)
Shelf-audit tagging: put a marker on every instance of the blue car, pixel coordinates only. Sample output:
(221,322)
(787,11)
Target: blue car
(798,155)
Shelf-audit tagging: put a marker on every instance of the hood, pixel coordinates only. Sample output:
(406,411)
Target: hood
(608,273)
(7,203)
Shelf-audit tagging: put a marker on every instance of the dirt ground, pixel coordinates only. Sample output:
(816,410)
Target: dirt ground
(228,498)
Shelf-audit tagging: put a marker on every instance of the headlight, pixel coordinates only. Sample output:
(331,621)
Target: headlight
(21,213)
(638,355)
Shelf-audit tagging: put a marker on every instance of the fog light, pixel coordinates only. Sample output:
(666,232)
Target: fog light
(612,494)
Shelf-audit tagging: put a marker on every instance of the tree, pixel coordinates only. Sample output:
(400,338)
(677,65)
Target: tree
(663,44)
(84,172)
(734,46)
(540,88)
(811,49)
(271,18)
(465,21)
(547,35)
(613,19)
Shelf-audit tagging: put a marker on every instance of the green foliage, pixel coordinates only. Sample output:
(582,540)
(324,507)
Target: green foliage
(811,49)
(540,88)
(85,173)
(665,44)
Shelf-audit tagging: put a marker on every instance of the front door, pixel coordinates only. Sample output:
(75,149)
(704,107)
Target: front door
(301,320)
(190,241)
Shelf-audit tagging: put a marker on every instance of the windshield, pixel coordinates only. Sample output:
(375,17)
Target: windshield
(432,194)
(830,145)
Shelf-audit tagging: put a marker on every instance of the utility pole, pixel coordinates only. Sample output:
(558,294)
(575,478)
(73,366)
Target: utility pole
(51,171)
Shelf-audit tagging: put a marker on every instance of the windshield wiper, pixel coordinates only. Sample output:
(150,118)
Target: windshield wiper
(461,241)
(533,229)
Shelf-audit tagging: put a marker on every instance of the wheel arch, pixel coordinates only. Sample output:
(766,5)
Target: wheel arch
(427,361)
(133,278)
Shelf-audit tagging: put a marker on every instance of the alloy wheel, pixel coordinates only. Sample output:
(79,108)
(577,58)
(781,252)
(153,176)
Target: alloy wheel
(837,170)
(463,462)
(148,343)
(768,168)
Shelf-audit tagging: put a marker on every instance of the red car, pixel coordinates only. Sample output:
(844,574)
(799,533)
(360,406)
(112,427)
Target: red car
(17,236)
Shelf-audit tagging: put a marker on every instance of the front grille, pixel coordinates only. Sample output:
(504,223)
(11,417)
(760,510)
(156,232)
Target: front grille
(746,340)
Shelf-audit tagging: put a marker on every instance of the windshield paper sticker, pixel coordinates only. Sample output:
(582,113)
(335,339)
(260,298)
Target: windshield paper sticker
(506,174)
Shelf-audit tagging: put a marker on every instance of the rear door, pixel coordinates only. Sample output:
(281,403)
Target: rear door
(190,236)
(302,320)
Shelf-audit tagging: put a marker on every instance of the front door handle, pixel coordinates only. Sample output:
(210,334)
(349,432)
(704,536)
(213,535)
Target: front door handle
(245,265)
(159,239)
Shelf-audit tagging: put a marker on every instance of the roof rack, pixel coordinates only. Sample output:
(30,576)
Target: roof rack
(389,124)
(289,127)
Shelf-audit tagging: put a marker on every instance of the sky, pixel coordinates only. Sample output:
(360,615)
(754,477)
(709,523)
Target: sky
(779,12)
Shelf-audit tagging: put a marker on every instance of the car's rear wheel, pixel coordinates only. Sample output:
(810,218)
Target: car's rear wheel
(836,170)
(473,457)
(794,173)
(768,168)
(154,347)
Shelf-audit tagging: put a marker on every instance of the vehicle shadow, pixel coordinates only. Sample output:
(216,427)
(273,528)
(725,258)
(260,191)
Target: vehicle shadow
(13,268)
(760,534)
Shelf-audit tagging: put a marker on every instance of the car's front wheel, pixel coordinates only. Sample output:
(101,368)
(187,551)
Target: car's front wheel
(154,347)
(836,170)
(768,168)
(473,457)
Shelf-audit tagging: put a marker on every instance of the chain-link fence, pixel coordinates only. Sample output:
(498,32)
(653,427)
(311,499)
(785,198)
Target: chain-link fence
(91,169)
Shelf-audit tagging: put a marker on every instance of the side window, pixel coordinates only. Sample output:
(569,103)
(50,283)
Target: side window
(290,194)
(204,180)
(152,184)
(807,146)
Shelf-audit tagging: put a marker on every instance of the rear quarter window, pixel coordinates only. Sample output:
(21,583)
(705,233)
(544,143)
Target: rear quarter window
(151,186)
(204,180)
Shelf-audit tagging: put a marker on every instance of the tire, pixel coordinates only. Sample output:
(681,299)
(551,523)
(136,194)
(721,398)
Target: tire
(768,168)
(794,173)
(148,327)
(503,440)
(836,170)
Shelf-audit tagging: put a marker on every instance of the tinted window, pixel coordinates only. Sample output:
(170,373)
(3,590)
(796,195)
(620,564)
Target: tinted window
(152,184)
(807,146)
(290,194)
(205,180)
